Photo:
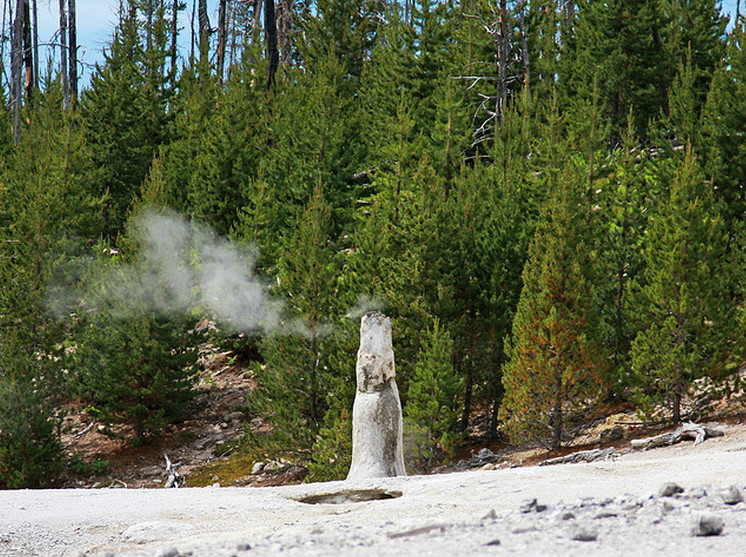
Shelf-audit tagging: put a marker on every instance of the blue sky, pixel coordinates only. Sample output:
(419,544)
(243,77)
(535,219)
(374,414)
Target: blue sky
(96,20)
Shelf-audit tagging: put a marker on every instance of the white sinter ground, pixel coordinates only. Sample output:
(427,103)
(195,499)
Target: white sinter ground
(469,513)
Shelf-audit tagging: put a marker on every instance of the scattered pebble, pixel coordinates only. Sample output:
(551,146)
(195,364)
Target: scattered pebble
(243,547)
(670,489)
(169,552)
(493,542)
(567,516)
(708,525)
(492,515)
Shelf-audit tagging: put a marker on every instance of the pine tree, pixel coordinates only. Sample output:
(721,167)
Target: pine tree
(684,297)
(46,216)
(433,395)
(124,115)
(296,359)
(619,44)
(555,364)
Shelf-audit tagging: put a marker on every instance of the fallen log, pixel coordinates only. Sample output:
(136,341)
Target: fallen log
(582,456)
(687,430)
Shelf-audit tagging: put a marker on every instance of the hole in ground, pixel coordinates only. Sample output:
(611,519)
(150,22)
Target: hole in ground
(350,496)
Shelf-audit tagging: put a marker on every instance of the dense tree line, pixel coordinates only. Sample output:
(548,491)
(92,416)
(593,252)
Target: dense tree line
(547,198)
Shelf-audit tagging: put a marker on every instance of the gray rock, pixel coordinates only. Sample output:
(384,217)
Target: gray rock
(708,525)
(732,495)
(606,514)
(698,493)
(532,506)
(585,534)
(492,515)
(493,542)
(567,516)
(168,552)
(670,489)
(243,547)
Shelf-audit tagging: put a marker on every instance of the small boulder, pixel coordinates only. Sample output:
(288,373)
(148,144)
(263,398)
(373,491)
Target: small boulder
(732,495)
(585,534)
(258,468)
(708,525)
(669,489)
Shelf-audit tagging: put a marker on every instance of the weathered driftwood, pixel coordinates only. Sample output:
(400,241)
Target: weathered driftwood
(688,430)
(583,456)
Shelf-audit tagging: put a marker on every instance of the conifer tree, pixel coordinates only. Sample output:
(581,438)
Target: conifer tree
(684,297)
(47,215)
(433,395)
(555,364)
(296,358)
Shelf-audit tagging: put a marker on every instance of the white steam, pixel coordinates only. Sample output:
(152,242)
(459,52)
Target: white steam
(180,268)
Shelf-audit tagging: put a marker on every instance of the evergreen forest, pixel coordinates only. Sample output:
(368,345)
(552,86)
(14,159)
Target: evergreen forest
(545,197)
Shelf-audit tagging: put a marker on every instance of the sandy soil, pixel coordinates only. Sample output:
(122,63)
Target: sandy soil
(615,503)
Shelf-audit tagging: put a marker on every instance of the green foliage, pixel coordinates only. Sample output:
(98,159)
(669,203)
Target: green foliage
(30,449)
(556,363)
(132,366)
(292,383)
(685,307)
(379,168)
(434,391)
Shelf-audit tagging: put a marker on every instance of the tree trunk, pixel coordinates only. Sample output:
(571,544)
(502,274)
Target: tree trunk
(256,24)
(35,39)
(468,392)
(204,29)
(174,38)
(557,417)
(72,50)
(270,33)
(16,66)
(28,52)
(63,55)
(284,24)
(222,36)
(524,44)
(677,393)
(502,66)
(314,375)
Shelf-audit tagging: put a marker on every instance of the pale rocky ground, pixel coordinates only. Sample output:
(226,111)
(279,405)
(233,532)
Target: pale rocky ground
(615,503)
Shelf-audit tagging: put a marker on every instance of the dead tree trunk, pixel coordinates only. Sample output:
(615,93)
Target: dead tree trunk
(270,33)
(35,39)
(524,44)
(204,29)
(256,24)
(16,65)
(72,49)
(28,52)
(284,24)
(222,36)
(63,55)
(502,65)
(175,7)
